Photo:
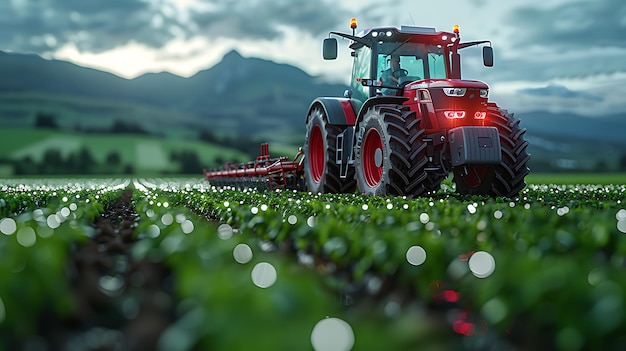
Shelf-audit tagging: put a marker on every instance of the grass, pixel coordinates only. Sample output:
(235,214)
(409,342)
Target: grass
(145,153)
(576,178)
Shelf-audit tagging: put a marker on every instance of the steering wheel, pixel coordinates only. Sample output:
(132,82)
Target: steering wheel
(402,72)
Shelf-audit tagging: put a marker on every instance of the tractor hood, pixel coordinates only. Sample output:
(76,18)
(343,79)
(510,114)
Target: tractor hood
(448,83)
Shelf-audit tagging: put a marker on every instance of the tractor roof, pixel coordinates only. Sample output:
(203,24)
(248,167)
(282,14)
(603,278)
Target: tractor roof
(404,34)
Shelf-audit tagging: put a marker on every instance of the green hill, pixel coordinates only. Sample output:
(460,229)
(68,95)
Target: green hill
(135,154)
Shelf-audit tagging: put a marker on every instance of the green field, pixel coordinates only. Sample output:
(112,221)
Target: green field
(542,271)
(146,154)
(576,178)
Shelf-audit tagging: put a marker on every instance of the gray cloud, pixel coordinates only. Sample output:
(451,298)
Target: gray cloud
(262,19)
(580,24)
(43,26)
(560,91)
(97,25)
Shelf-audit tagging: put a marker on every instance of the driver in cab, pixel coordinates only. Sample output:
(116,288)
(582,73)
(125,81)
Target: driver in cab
(391,75)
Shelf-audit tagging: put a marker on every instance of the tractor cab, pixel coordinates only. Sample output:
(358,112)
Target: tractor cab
(386,59)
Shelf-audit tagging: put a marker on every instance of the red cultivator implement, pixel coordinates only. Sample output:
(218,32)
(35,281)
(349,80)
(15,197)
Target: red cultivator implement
(264,172)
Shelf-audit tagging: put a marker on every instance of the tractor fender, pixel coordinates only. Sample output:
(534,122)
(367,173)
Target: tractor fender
(379,100)
(339,111)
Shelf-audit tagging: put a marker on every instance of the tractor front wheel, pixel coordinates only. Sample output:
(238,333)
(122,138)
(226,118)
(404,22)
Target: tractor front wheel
(391,157)
(507,178)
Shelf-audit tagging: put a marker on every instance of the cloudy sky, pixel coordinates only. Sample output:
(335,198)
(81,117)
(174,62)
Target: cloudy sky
(560,55)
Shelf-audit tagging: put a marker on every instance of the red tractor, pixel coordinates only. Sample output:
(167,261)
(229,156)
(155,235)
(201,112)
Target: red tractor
(405,123)
(408,120)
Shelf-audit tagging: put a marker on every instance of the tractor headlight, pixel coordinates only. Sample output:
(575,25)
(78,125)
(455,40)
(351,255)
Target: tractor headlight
(455,91)
(484,93)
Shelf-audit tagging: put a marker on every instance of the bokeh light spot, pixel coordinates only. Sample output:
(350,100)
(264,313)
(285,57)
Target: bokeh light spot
(44,232)
(153,231)
(242,253)
(311,221)
(225,231)
(482,264)
(621,226)
(52,221)
(264,275)
(494,310)
(2,311)
(65,212)
(332,334)
(8,226)
(416,255)
(187,226)
(26,237)
(292,219)
(167,219)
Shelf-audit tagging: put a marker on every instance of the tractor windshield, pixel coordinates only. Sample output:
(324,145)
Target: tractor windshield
(409,62)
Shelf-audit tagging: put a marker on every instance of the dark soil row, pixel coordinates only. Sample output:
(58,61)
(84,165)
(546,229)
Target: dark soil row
(119,303)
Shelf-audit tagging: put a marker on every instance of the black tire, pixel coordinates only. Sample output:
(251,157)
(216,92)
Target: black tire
(321,171)
(423,183)
(391,156)
(507,178)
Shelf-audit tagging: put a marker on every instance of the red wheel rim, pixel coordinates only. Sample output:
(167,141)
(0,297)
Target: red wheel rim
(316,154)
(475,176)
(372,158)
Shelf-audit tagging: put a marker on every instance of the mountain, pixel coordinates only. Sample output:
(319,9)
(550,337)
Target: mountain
(244,96)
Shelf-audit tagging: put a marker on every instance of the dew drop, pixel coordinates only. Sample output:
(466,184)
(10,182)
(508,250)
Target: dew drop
(471,209)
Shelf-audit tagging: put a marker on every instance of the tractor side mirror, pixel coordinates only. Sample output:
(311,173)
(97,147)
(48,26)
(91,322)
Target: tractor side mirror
(329,49)
(488,56)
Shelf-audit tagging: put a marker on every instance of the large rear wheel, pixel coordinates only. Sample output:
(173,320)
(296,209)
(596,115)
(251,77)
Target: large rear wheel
(507,178)
(321,171)
(391,157)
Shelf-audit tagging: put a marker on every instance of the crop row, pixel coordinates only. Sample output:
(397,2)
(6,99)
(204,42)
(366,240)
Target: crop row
(550,263)
(545,270)
(39,223)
